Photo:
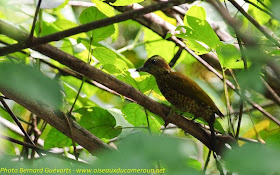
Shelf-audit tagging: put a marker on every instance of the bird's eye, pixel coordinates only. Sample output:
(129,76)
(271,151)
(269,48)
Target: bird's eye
(153,61)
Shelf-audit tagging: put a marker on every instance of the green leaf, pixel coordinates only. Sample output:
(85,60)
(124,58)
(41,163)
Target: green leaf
(168,35)
(99,122)
(111,62)
(126,77)
(155,45)
(108,11)
(194,45)
(218,126)
(64,24)
(30,83)
(111,68)
(104,55)
(260,16)
(194,163)
(274,140)
(57,139)
(93,14)
(71,86)
(250,79)
(104,7)
(67,47)
(253,159)
(45,28)
(149,151)
(229,56)
(136,116)
(198,29)
(125,2)
(197,12)
(146,83)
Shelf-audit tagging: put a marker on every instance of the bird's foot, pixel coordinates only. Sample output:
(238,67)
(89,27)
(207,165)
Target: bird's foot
(170,113)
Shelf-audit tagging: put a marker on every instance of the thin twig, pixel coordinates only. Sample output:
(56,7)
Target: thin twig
(255,23)
(40,149)
(242,91)
(261,9)
(233,23)
(254,128)
(176,57)
(263,4)
(207,161)
(34,21)
(264,105)
(18,123)
(275,96)
(228,106)
(247,140)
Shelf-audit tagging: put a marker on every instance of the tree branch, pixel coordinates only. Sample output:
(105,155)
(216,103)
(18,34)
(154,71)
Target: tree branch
(56,118)
(40,149)
(112,83)
(89,26)
(234,23)
(161,27)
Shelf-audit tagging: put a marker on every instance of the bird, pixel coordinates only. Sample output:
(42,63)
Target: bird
(182,92)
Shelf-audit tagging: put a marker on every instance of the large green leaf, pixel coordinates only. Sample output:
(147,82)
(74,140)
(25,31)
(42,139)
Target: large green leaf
(99,122)
(146,83)
(197,47)
(229,56)
(45,28)
(198,29)
(253,159)
(93,14)
(140,151)
(260,16)
(136,116)
(30,83)
(251,79)
(151,151)
(110,61)
(104,55)
(155,45)
(71,86)
(104,7)
(108,11)
(57,139)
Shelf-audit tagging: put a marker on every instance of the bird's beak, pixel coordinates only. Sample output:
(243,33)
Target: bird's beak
(141,69)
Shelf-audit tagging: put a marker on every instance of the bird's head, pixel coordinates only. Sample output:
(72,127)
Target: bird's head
(155,65)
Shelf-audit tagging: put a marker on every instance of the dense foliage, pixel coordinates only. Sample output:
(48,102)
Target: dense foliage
(83,83)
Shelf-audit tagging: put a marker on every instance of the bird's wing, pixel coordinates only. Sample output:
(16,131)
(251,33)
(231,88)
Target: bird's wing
(186,86)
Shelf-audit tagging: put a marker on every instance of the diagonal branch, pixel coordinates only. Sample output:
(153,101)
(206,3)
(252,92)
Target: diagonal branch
(89,26)
(112,83)
(161,27)
(39,149)
(56,118)
(17,122)
(234,23)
